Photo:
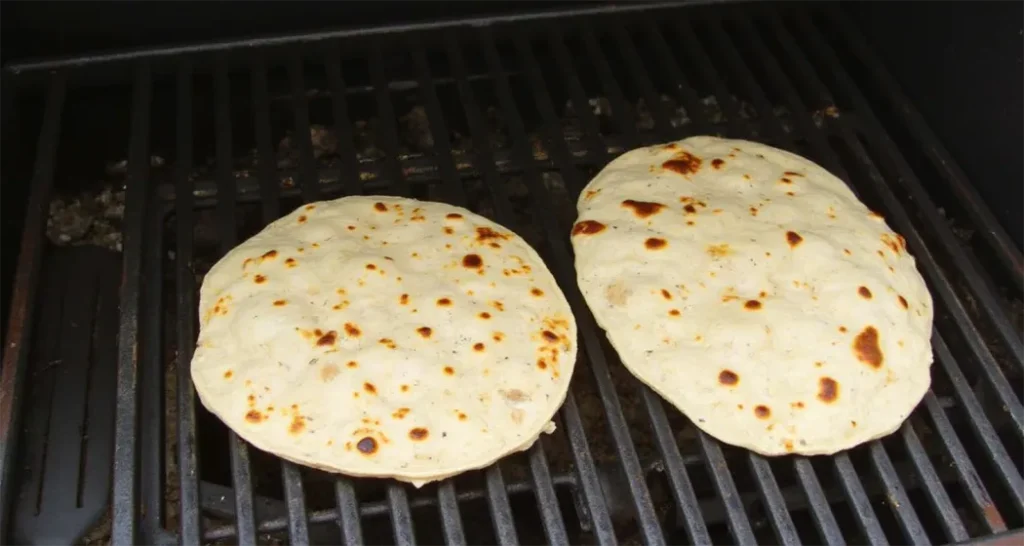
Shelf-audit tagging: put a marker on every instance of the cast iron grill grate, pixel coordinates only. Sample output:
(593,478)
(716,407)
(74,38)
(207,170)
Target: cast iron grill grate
(478,115)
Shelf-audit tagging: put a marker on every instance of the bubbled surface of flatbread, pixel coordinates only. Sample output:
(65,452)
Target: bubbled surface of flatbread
(753,290)
(384,337)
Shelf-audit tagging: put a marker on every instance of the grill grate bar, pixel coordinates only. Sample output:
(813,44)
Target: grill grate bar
(270,192)
(621,111)
(617,425)
(451,187)
(725,489)
(936,492)
(859,500)
(551,515)
(344,492)
(772,497)
(348,512)
(23,295)
(401,515)
(824,520)
(976,491)
(386,114)
(670,64)
(711,76)
(724,46)
(543,488)
(295,497)
(596,506)
(979,424)
(239,451)
(653,101)
(501,511)
(125,486)
(190,523)
(581,106)
(151,379)
(941,283)
(996,237)
(308,179)
(451,520)
(897,497)
(349,165)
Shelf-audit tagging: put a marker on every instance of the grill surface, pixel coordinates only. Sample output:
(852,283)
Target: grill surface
(488,99)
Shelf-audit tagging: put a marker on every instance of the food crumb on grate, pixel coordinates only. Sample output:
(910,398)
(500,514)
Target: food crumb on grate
(88,218)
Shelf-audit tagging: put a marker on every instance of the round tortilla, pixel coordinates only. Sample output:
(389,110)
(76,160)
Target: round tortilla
(384,337)
(754,291)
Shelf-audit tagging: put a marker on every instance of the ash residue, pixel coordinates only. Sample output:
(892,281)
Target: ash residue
(89,218)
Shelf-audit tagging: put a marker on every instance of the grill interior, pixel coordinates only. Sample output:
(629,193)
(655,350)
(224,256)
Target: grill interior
(511,117)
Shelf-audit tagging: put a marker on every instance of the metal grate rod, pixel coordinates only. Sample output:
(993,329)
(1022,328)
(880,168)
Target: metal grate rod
(969,479)
(125,502)
(19,331)
(349,164)
(386,114)
(451,520)
(937,496)
(711,76)
(982,427)
(190,527)
(596,506)
(639,74)
(619,429)
(151,377)
(295,498)
(896,496)
(241,473)
(348,512)
(580,102)
(308,180)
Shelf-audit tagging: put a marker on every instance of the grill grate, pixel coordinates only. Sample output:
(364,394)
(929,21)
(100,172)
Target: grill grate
(623,466)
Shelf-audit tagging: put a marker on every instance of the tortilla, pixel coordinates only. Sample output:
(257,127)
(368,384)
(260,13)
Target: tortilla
(384,337)
(754,291)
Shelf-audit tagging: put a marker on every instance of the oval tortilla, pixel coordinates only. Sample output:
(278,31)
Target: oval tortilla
(753,290)
(384,337)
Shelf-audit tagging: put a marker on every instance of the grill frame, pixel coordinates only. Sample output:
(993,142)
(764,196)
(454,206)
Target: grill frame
(138,456)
